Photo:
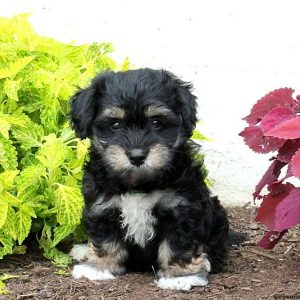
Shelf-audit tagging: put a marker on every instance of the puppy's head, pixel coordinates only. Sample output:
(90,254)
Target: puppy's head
(135,119)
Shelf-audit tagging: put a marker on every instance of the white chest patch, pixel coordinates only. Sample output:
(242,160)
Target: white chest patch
(137,216)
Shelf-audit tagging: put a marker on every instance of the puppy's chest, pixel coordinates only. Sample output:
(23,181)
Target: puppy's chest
(136,216)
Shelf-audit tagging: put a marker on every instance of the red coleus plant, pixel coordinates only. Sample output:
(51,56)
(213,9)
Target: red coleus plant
(274,126)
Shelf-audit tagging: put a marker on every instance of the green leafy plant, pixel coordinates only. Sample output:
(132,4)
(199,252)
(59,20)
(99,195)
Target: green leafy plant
(40,158)
(3,278)
(199,157)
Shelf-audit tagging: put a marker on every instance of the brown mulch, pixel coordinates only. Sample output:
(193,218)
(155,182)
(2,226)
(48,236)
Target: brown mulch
(252,273)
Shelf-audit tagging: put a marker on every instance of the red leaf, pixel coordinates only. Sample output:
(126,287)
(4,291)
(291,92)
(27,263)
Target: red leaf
(266,212)
(254,138)
(297,267)
(276,116)
(269,177)
(270,239)
(289,129)
(280,97)
(287,213)
(288,173)
(286,152)
(295,164)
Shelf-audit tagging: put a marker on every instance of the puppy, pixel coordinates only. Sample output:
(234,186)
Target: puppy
(146,204)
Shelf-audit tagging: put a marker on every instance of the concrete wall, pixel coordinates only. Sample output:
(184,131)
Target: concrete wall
(233,51)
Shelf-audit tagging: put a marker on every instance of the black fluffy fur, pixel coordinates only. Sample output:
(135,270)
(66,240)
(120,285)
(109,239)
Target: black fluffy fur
(203,222)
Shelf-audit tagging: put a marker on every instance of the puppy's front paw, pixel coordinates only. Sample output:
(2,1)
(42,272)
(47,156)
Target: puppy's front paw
(182,283)
(80,252)
(91,272)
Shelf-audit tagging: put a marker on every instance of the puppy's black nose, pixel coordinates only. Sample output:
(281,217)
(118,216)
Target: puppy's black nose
(137,156)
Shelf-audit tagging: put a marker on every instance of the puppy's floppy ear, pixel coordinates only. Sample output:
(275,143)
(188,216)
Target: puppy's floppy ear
(84,105)
(185,102)
(188,106)
(82,112)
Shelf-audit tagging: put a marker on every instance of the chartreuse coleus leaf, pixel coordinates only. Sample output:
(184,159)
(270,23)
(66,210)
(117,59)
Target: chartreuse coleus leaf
(69,204)
(3,214)
(8,154)
(23,219)
(7,215)
(14,68)
(10,227)
(82,148)
(9,120)
(29,136)
(62,232)
(59,258)
(14,222)
(6,245)
(31,180)
(4,277)
(198,136)
(52,153)
(50,113)
(7,179)
(19,249)
(11,88)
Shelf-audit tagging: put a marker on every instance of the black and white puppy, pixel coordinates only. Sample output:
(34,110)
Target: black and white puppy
(146,204)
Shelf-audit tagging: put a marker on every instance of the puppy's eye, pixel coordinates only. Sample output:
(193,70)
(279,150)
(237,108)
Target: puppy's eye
(156,123)
(116,126)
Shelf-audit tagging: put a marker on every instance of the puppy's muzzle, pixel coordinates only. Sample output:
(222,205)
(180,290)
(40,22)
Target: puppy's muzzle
(137,156)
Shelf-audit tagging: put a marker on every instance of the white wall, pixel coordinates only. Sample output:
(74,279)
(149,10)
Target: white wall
(234,52)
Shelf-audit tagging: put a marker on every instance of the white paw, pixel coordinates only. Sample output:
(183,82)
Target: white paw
(91,272)
(181,283)
(80,252)
(207,265)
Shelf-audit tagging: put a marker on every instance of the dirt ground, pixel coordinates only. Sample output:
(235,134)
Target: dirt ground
(252,273)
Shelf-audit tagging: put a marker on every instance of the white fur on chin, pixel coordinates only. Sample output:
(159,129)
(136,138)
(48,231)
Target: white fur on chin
(181,283)
(91,272)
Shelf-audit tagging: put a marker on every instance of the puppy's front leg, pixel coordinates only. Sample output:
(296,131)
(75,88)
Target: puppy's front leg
(101,263)
(177,274)
(182,262)
(104,256)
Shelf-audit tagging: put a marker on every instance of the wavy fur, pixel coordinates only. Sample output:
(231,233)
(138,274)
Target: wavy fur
(160,213)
